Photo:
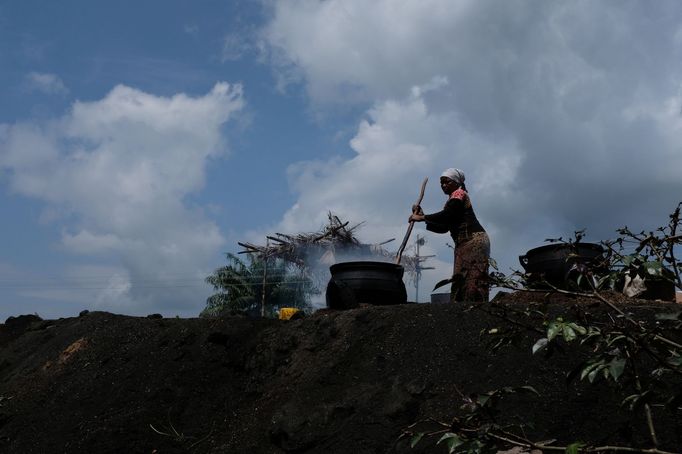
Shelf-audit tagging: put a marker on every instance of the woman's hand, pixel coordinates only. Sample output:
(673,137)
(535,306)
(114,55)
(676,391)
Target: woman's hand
(417,214)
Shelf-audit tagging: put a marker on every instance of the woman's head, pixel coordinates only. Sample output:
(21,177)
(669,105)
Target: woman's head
(451,179)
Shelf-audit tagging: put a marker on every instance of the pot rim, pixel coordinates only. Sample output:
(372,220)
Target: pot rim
(554,246)
(365,264)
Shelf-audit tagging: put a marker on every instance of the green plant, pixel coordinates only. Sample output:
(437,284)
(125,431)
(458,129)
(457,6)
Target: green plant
(649,254)
(476,430)
(240,286)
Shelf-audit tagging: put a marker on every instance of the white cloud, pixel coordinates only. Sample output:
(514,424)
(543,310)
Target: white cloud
(121,167)
(46,83)
(85,242)
(563,115)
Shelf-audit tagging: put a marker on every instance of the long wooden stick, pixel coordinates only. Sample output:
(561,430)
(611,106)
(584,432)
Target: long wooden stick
(265,280)
(409,229)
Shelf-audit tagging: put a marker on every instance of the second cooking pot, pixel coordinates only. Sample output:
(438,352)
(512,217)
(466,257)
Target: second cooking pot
(554,262)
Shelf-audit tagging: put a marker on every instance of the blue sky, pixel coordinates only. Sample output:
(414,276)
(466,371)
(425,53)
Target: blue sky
(139,141)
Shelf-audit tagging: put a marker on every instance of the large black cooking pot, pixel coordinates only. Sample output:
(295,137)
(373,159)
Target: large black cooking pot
(554,263)
(355,283)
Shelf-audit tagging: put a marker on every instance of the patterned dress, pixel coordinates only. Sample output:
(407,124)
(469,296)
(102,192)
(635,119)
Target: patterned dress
(472,247)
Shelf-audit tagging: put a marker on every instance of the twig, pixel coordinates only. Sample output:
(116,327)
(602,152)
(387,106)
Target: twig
(634,322)
(667,341)
(625,449)
(507,440)
(647,408)
(530,444)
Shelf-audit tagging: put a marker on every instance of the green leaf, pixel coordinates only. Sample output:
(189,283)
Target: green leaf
(540,344)
(627,260)
(568,333)
(615,339)
(591,333)
(416,439)
(591,370)
(616,367)
(593,374)
(587,370)
(529,388)
(577,328)
(553,329)
(574,448)
(451,440)
(483,399)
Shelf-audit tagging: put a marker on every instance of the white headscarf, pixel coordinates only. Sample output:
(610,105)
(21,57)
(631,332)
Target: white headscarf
(455,175)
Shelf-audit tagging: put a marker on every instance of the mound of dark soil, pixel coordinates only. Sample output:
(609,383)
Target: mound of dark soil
(334,382)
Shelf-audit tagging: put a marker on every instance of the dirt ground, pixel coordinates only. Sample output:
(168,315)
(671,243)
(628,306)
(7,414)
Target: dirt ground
(333,382)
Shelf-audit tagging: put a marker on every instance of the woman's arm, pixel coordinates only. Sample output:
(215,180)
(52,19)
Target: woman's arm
(442,221)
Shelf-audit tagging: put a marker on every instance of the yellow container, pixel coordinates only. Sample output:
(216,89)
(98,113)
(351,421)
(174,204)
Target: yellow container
(285,313)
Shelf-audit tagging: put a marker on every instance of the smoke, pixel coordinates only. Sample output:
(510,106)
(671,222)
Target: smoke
(319,266)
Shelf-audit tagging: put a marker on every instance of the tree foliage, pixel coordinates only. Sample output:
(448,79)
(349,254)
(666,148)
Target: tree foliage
(239,286)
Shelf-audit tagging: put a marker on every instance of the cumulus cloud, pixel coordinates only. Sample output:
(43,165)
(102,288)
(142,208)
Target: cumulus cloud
(563,115)
(49,84)
(119,170)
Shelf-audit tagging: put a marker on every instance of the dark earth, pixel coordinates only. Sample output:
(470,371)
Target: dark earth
(332,382)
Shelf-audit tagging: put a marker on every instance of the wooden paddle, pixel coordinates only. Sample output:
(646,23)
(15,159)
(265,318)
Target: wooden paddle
(409,229)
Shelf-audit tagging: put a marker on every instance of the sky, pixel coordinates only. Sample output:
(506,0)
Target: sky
(140,141)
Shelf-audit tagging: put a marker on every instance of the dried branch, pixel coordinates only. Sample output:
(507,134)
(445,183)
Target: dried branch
(306,249)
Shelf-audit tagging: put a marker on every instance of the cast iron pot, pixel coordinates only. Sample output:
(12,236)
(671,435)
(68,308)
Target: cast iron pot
(554,263)
(355,283)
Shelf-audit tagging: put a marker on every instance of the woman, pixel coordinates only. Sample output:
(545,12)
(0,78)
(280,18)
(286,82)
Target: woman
(472,245)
